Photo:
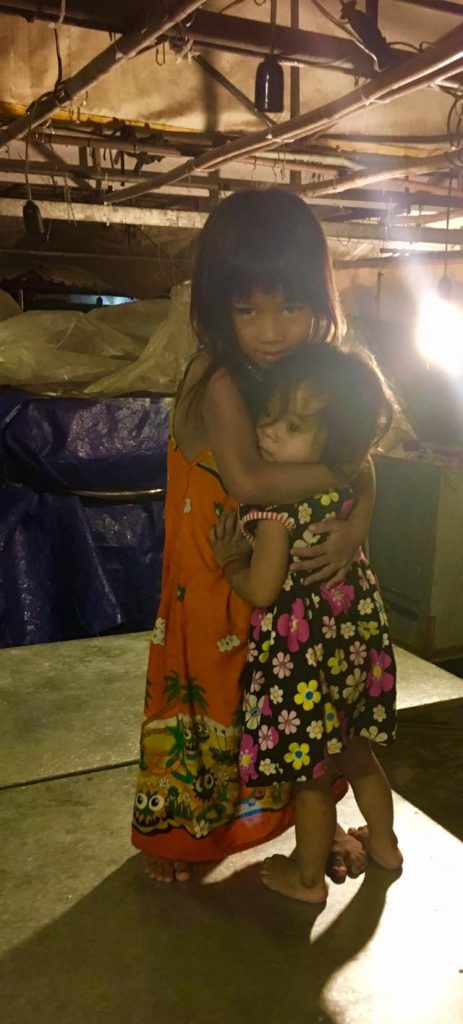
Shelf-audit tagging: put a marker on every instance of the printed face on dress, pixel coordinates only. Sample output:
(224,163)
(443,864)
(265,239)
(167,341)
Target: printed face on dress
(294,434)
(268,327)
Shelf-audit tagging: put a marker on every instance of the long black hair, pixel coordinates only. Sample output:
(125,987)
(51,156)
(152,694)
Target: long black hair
(359,402)
(267,240)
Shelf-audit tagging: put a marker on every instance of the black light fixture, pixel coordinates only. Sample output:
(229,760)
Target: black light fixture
(270,86)
(32,217)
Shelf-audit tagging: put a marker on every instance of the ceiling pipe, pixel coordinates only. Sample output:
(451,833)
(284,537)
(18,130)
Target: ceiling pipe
(314,159)
(443,55)
(438,6)
(399,169)
(145,30)
(194,220)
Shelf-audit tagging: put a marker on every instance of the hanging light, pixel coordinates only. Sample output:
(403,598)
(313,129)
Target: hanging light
(32,217)
(440,322)
(270,86)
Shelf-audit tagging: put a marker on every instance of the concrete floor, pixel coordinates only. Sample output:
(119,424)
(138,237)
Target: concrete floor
(86,939)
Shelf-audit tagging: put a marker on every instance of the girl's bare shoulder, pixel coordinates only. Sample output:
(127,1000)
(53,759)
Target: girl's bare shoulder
(188,424)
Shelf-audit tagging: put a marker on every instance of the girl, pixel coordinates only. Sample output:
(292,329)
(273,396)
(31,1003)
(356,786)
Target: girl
(320,680)
(262,288)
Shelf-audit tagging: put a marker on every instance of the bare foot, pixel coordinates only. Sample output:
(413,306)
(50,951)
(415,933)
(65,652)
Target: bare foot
(347,857)
(166,870)
(384,851)
(282,875)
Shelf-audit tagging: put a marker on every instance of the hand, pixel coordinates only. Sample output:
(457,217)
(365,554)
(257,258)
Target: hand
(227,540)
(329,561)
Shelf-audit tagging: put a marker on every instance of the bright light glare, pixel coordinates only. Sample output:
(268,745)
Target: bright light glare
(440,334)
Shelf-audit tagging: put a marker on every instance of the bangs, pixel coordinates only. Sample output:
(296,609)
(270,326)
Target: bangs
(269,276)
(267,240)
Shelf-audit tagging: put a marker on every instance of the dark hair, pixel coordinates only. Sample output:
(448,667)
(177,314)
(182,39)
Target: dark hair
(260,239)
(359,401)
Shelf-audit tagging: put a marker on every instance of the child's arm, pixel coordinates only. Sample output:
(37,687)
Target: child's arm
(248,477)
(257,576)
(330,560)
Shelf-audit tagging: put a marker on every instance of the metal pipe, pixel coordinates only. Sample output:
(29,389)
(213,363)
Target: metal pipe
(440,6)
(232,89)
(292,159)
(92,213)
(398,259)
(380,90)
(399,169)
(145,30)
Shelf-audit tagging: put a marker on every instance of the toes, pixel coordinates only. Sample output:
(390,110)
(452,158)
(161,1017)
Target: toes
(182,871)
(158,870)
(336,869)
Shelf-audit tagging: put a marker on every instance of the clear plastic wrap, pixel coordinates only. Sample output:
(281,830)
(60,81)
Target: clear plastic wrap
(139,346)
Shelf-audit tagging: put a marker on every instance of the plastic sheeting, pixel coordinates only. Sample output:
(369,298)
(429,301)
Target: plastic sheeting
(135,347)
(72,567)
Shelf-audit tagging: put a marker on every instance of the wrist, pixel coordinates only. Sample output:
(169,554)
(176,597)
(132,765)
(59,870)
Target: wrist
(233,560)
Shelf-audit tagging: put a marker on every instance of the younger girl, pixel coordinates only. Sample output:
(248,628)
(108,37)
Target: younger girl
(319,685)
(262,288)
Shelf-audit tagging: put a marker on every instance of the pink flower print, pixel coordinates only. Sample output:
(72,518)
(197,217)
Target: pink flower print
(282,665)
(247,758)
(294,626)
(378,679)
(268,737)
(265,708)
(288,722)
(346,508)
(339,597)
(256,621)
(319,769)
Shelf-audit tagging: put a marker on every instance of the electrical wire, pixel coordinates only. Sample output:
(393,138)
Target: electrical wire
(344,28)
(58,58)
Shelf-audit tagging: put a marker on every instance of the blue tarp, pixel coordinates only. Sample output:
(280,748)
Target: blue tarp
(70,566)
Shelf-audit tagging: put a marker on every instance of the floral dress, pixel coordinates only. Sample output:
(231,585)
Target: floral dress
(191,803)
(320,666)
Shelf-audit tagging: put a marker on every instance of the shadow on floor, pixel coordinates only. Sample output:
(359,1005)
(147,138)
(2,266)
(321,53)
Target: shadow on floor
(425,764)
(216,953)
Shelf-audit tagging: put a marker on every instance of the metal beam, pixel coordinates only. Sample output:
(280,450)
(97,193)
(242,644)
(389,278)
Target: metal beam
(437,60)
(206,28)
(91,213)
(398,169)
(439,6)
(357,202)
(213,72)
(145,30)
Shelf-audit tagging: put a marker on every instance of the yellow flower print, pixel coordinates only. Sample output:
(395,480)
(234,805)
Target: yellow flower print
(374,734)
(368,629)
(338,663)
(308,694)
(265,652)
(334,747)
(327,498)
(298,755)
(315,730)
(227,643)
(331,718)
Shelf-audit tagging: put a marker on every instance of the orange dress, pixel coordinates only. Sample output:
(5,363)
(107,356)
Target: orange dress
(190,802)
